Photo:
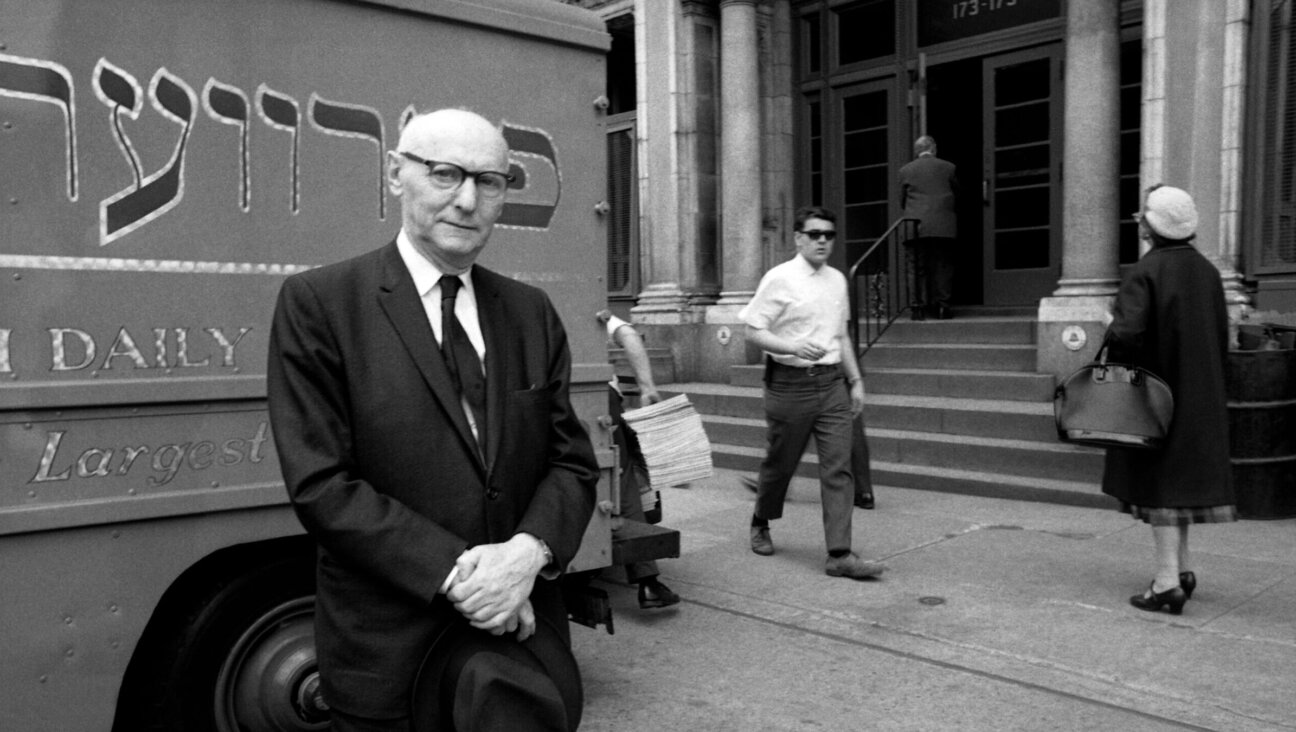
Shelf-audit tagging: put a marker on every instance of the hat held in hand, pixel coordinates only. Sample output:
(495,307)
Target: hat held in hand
(1170,212)
(472,681)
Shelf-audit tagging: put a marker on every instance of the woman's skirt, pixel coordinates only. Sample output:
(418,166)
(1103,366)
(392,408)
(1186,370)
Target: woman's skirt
(1181,516)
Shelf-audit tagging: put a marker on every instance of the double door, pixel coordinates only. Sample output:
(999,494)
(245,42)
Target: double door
(999,119)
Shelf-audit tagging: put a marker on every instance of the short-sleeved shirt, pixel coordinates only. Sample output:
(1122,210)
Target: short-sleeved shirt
(794,301)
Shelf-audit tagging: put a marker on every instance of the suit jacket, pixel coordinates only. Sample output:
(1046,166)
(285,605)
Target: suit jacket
(928,188)
(380,464)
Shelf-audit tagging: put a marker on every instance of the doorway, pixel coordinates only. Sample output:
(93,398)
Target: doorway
(999,120)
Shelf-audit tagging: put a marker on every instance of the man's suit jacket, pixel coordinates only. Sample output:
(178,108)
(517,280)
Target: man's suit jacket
(380,463)
(928,188)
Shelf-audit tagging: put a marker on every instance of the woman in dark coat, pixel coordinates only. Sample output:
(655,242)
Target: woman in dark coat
(1170,318)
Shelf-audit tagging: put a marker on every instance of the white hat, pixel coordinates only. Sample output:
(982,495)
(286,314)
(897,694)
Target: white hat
(1171,213)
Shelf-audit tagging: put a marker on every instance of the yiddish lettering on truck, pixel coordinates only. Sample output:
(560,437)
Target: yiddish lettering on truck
(167,163)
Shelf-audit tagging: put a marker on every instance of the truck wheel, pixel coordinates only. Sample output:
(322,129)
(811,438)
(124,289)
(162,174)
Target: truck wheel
(243,660)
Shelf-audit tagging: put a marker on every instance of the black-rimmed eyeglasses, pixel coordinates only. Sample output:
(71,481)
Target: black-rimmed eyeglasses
(490,183)
(817,234)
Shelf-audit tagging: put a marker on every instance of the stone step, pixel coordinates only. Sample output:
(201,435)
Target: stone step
(955,356)
(1012,385)
(944,480)
(996,418)
(982,330)
(1023,458)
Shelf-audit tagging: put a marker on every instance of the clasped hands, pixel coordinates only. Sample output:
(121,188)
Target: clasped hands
(493,583)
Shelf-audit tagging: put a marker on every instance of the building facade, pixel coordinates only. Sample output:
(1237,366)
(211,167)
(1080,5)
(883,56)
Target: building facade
(725,116)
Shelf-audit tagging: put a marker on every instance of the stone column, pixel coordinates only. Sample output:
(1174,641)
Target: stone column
(1193,120)
(1070,322)
(663,298)
(740,152)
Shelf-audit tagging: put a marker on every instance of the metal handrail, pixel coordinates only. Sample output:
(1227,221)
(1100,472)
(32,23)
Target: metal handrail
(886,287)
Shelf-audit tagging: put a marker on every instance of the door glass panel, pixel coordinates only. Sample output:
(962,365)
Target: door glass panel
(1021,124)
(1021,83)
(1024,165)
(865,147)
(1131,107)
(1022,208)
(868,184)
(866,170)
(865,31)
(1023,154)
(1022,250)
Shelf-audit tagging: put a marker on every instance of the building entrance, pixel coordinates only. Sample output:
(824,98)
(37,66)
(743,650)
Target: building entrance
(999,120)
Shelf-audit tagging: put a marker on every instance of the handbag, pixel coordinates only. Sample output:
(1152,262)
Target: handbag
(1113,405)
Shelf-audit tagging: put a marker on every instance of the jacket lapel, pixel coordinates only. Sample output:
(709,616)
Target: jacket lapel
(490,313)
(404,308)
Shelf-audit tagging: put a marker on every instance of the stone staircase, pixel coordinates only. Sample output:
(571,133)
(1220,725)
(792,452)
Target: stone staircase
(953,405)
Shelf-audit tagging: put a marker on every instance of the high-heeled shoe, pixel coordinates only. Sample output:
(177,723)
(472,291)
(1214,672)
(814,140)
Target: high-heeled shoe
(1172,600)
(1188,582)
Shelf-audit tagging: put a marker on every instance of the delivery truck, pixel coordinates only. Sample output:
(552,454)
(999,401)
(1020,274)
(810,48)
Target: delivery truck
(166,164)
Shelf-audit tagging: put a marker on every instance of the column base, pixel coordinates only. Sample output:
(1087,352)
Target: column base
(1070,329)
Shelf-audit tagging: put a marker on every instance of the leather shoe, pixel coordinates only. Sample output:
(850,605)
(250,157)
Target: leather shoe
(1188,583)
(853,567)
(760,541)
(1172,600)
(917,313)
(750,483)
(864,500)
(652,593)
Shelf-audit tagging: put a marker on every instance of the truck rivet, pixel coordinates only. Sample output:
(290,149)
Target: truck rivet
(69,653)
(17,276)
(8,125)
(112,607)
(13,201)
(131,492)
(31,494)
(67,619)
(215,484)
(43,679)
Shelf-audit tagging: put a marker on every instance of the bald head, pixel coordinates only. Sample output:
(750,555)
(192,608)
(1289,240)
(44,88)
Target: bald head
(475,129)
(448,213)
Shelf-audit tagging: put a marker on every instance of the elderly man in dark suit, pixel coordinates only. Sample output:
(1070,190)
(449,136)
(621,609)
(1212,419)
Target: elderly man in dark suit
(420,408)
(928,190)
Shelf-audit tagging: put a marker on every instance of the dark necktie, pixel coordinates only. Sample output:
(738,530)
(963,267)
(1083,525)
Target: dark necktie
(460,356)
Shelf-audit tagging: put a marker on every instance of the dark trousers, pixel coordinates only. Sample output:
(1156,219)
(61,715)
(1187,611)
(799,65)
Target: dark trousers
(931,271)
(634,471)
(799,404)
(860,468)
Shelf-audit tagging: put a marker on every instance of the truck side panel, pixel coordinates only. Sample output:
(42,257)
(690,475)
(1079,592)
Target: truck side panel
(167,163)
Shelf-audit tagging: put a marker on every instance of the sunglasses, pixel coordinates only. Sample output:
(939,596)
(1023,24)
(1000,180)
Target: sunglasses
(817,234)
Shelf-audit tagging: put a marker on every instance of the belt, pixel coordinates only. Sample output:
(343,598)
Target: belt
(813,370)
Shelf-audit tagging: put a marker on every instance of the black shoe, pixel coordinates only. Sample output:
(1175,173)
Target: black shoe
(654,594)
(917,312)
(1188,583)
(864,501)
(1172,600)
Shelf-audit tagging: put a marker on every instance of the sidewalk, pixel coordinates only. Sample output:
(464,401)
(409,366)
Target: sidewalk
(995,615)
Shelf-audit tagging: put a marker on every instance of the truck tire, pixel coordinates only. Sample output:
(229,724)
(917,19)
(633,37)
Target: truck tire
(240,658)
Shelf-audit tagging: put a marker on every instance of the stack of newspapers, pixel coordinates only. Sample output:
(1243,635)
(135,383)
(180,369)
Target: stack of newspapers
(674,445)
